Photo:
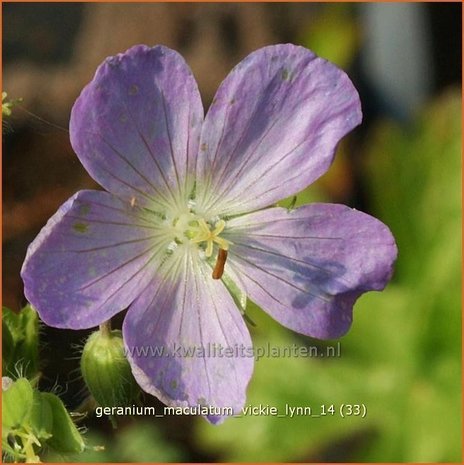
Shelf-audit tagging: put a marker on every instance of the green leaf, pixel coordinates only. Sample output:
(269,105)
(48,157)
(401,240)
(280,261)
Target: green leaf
(17,403)
(22,342)
(65,436)
(8,346)
(41,416)
(10,320)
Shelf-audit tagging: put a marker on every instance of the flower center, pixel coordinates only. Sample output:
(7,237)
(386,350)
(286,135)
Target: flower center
(197,231)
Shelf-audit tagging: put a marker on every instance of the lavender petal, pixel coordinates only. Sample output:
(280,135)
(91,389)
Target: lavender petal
(307,267)
(90,261)
(272,128)
(136,126)
(188,314)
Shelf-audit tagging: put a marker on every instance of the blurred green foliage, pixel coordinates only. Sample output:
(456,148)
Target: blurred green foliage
(402,356)
(8,105)
(138,442)
(334,34)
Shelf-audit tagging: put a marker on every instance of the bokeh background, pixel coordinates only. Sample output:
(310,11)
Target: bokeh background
(402,358)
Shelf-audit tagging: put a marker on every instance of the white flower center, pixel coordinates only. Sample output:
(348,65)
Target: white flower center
(194,229)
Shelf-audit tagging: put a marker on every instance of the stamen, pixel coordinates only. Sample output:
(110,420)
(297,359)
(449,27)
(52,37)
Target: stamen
(209,248)
(220,225)
(222,243)
(220,262)
(204,234)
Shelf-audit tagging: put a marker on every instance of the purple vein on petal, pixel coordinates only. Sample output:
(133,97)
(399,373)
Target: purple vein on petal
(135,215)
(207,280)
(103,247)
(141,192)
(245,162)
(249,225)
(230,265)
(187,151)
(231,184)
(141,175)
(262,288)
(165,113)
(270,168)
(162,303)
(317,296)
(210,170)
(302,262)
(200,325)
(120,155)
(184,295)
(132,225)
(277,236)
(127,281)
(290,217)
(122,265)
(253,113)
(163,175)
(280,160)
(153,157)
(243,134)
(284,181)
(167,292)
(293,259)
(161,291)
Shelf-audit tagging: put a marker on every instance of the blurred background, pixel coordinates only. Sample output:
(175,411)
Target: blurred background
(402,358)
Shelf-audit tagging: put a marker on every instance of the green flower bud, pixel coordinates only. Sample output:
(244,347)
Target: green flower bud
(106,370)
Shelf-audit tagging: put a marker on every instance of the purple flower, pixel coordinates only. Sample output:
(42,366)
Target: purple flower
(183,190)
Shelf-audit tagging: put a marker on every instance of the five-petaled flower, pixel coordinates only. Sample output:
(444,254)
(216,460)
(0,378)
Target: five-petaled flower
(183,190)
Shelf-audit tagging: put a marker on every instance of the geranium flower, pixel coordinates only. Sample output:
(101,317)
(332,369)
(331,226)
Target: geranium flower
(186,195)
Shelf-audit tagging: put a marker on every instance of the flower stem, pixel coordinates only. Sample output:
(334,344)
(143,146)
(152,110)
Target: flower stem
(105,328)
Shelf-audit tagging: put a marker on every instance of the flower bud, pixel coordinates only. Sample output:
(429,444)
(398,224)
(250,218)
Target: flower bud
(106,370)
